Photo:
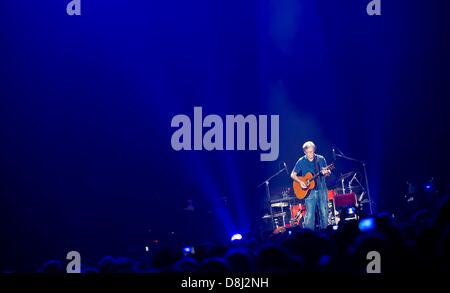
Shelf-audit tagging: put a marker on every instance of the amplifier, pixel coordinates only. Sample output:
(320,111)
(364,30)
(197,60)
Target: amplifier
(345,200)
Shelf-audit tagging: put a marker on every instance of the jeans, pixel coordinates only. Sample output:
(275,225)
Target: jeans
(317,199)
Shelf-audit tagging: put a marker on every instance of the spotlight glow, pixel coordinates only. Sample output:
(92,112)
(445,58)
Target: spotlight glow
(236,237)
(367,224)
(188,250)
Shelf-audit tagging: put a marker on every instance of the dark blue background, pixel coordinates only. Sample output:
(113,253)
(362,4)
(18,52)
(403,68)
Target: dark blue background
(86,103)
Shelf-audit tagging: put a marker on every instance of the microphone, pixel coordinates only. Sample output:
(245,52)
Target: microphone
(285,167)
(334,155)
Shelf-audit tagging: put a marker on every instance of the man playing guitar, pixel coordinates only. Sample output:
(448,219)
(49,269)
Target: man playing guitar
(317,197)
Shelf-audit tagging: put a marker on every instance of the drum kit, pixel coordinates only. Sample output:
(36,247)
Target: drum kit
(287,211)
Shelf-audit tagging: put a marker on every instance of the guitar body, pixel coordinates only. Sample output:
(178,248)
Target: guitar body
(309,180)
(301,193)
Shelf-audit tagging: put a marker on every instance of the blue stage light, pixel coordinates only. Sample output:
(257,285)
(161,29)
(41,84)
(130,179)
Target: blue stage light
(236,237)
(188,250)
(367,224)
(429,185)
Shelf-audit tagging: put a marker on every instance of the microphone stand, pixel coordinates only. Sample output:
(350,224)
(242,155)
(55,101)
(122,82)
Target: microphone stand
(266,182)
(362,186)
(351,181)
(341,155)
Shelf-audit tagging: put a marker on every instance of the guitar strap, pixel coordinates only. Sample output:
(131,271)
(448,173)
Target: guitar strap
(316,165)
(316,168)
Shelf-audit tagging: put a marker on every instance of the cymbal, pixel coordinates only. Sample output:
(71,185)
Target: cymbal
(280,204)
(291,198)
(345,176)
(267,216)
(283,199)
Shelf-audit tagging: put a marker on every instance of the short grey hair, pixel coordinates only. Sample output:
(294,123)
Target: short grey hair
(308,144)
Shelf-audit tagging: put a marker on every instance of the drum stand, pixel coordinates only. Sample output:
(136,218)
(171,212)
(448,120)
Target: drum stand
(266,183)
(284,216)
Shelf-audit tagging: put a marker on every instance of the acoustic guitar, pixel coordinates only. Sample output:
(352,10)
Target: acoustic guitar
(309,180)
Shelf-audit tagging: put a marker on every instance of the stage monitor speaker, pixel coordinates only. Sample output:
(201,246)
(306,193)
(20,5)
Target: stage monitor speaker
(345,200)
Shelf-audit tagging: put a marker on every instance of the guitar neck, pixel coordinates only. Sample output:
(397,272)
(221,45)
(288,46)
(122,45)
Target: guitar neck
(326,168)
(315,176)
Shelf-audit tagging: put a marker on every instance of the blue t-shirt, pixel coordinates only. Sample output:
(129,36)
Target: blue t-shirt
(304,166)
